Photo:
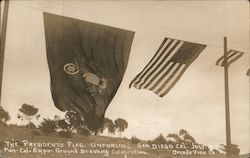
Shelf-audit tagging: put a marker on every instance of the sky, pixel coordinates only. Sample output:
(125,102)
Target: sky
(196,103)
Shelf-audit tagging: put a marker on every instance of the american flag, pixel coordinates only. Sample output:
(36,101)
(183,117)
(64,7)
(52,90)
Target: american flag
(167,66)
(232,55)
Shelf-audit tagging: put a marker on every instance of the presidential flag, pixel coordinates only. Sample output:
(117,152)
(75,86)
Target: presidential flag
(87,62)
(232,56)
(169,63)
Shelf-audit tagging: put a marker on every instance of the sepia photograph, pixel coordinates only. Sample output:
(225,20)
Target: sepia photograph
(124,79)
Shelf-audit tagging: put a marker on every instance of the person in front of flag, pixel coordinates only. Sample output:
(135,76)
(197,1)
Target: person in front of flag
(94,80)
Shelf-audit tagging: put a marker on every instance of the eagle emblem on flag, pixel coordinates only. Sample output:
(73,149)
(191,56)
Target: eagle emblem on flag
(71,69)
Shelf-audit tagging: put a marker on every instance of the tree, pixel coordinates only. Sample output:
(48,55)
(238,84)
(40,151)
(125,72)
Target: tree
(48,126)
(65,134)
(186,137)
(4,116)
(174,138)
(159,140)
(28,112)
(121,125)
(216,151)
(63,125)
(31,125)
(76,122)
(233,149)
(109,125)
(183,137)
(135,140)
(83,131)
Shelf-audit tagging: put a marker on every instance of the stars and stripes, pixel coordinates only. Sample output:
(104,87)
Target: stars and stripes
(167,66)
(232,56)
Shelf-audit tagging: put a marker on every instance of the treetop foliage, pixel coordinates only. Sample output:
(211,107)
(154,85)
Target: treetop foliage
(28,110)
(4,115)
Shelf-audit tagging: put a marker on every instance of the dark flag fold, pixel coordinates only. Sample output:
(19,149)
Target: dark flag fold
(232,56)
(87,62)
(167,66)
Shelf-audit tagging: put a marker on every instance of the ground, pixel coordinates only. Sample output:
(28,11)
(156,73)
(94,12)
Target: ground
(16,142)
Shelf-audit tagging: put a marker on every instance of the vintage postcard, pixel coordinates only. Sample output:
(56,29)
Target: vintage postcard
(124,79)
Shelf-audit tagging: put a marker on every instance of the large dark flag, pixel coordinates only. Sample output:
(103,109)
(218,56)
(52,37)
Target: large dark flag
(86,62)
(169,63)
(232,56)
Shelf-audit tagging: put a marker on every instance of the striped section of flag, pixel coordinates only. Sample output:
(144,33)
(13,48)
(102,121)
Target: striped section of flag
(232,56)
(167,66)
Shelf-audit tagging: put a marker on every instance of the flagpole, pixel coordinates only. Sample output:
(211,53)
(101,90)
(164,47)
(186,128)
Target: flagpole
(227,109)
(0,19)
(2,42)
